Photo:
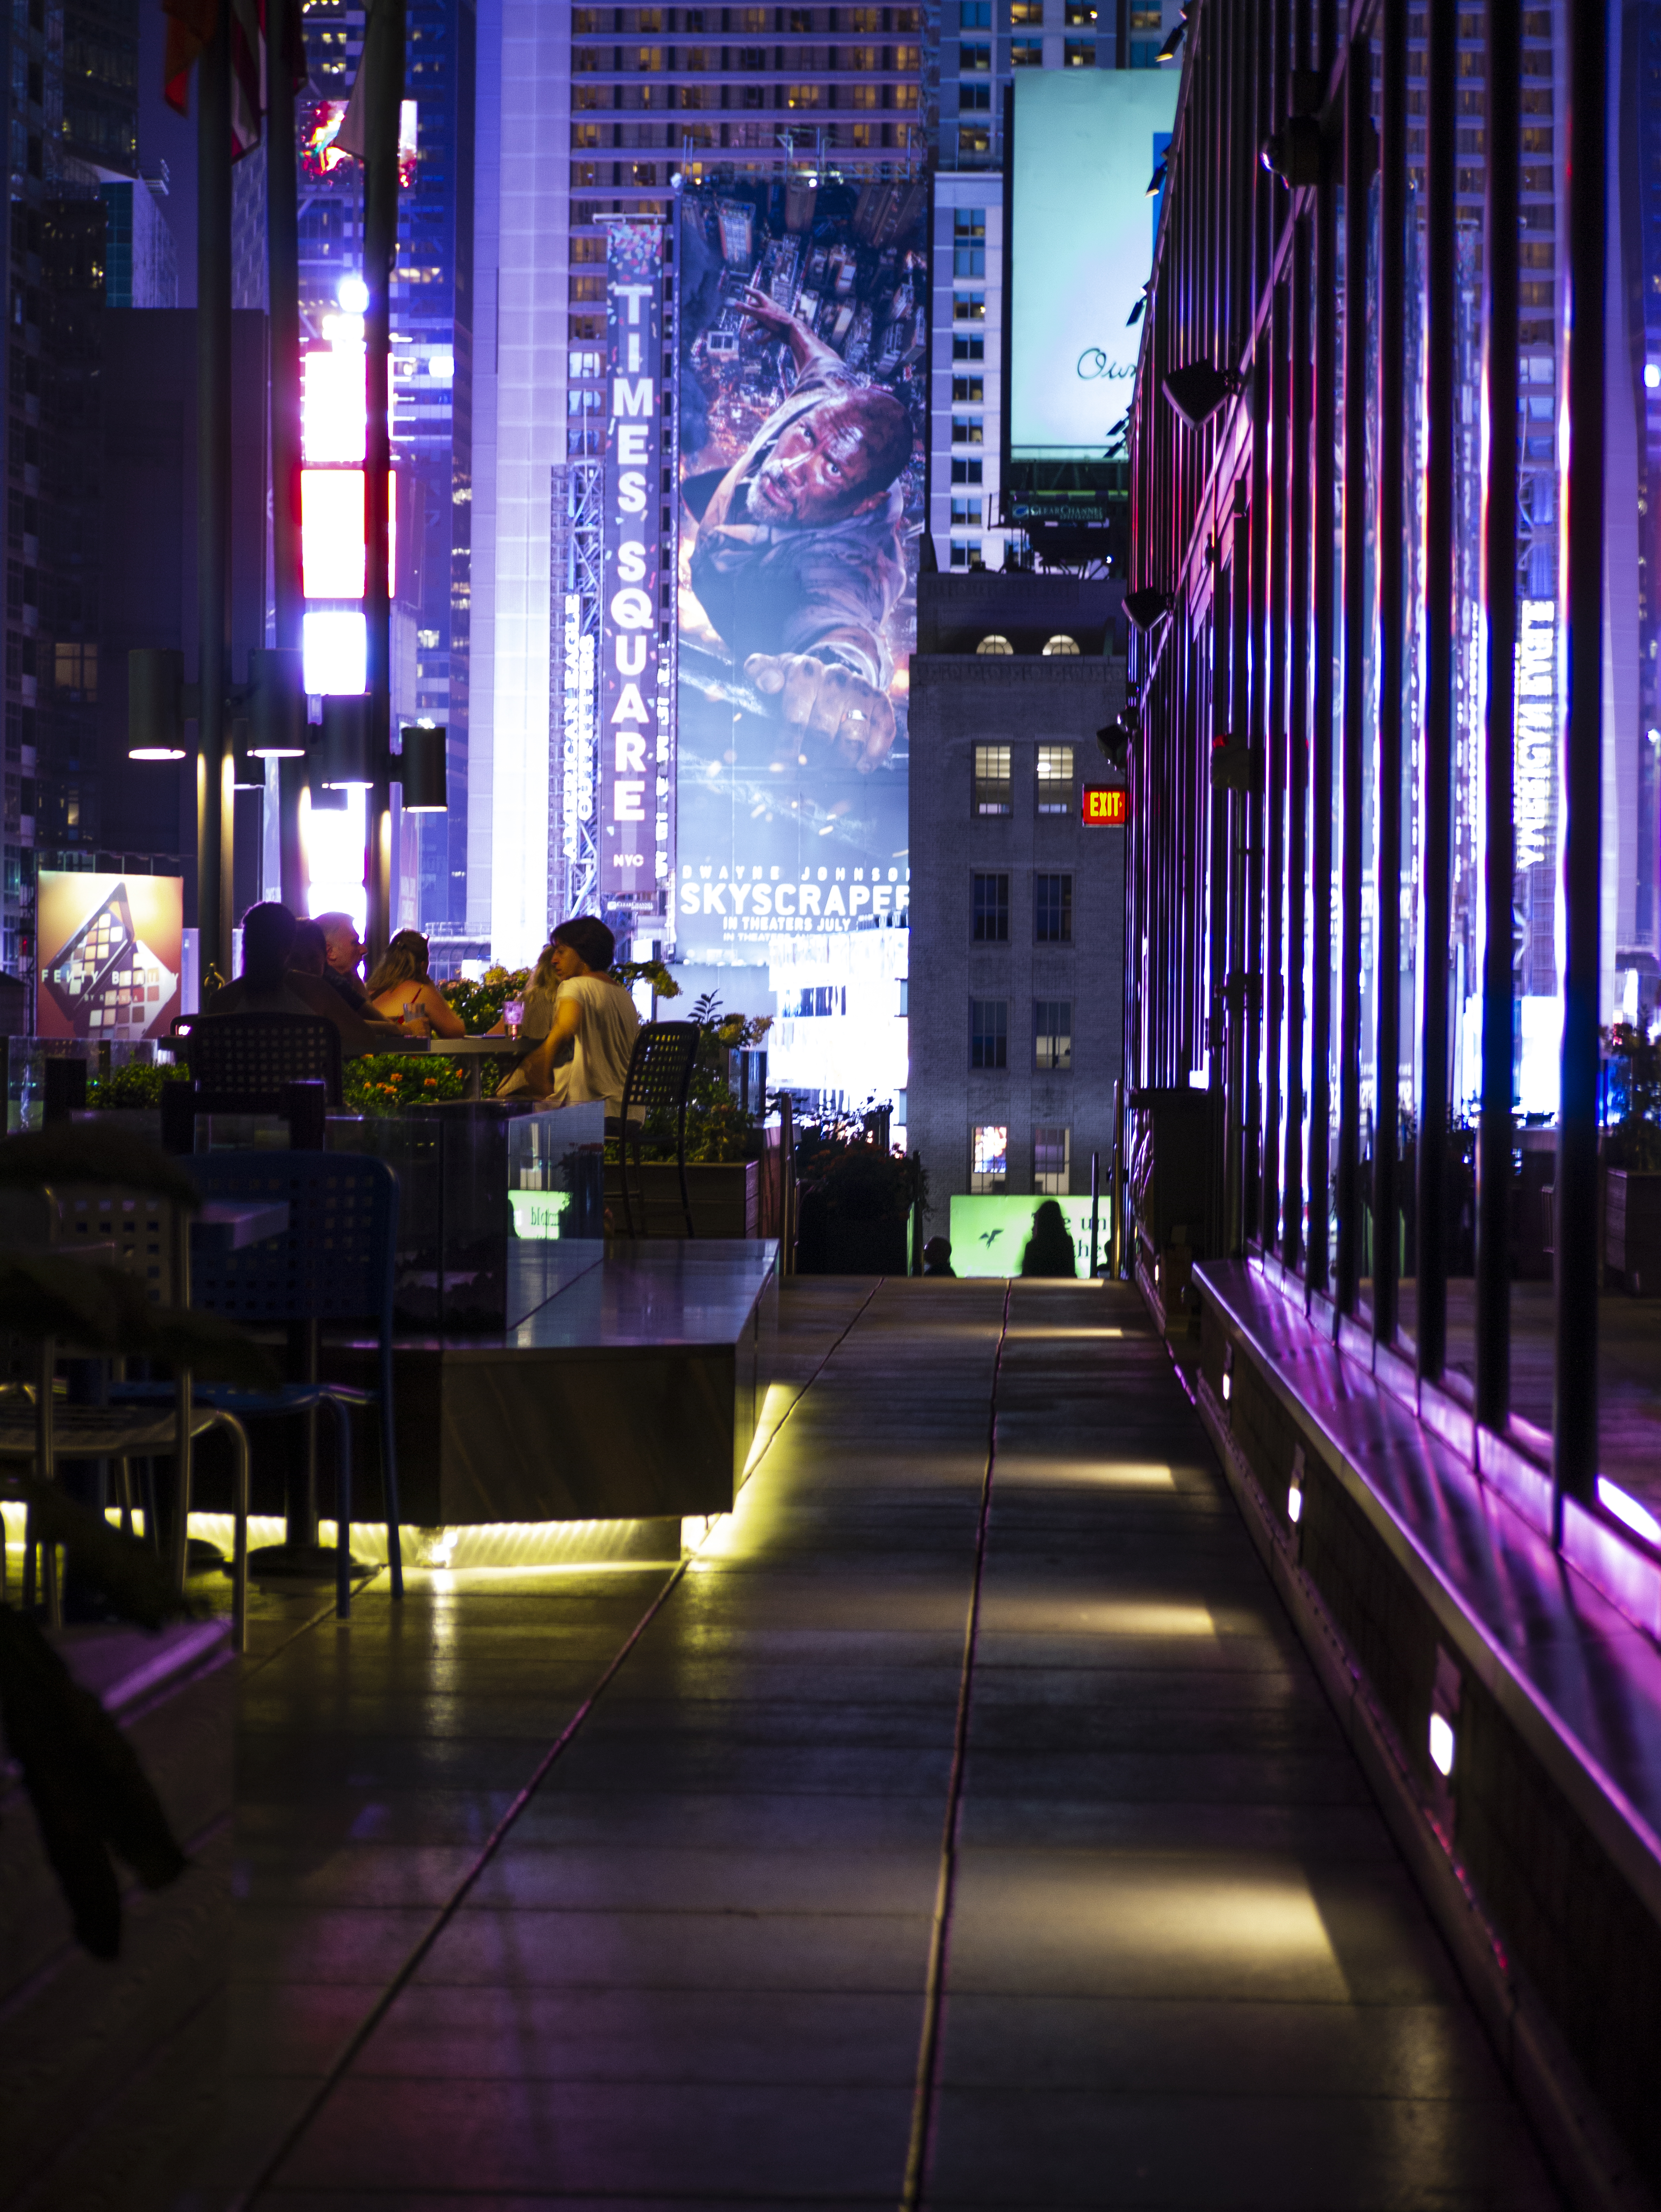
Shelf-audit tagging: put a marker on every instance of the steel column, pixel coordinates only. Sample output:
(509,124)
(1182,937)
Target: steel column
(215,796)
(1436,749)
(1392,640)
(1503,63)
(1325,604)
(1358,172)
(1574,1406)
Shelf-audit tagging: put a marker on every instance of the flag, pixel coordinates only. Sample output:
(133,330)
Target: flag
(190,27)
(380,36)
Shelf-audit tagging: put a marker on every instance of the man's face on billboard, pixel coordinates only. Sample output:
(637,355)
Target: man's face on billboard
(819,471)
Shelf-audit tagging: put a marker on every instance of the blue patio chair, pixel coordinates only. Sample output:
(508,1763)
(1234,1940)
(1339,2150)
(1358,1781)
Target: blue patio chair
(334,1262)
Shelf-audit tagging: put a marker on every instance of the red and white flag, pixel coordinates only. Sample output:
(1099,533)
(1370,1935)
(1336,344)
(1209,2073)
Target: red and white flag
(190,27)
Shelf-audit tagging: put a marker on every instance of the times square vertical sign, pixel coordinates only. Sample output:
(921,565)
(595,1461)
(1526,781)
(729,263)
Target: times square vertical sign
(635,738)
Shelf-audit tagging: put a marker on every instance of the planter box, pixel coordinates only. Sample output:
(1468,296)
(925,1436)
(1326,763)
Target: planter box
(830,1245)
(726,1200)
(1632,1228)
(110,2070)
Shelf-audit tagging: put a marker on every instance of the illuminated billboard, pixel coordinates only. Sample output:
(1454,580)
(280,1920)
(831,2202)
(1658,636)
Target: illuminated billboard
(635,735)
(108,955)
(1085,147)
(990,1231)
(803,423)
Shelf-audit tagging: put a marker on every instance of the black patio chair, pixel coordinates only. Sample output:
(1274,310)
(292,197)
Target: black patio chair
(287,1064)
(659,1076)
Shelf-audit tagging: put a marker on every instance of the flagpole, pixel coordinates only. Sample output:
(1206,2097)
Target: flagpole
(283,255)
(383,66)
(216,814)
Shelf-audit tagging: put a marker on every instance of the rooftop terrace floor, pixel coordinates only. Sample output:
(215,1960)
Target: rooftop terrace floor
(620,1888)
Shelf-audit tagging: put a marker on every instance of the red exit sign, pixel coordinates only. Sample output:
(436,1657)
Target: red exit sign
(1105,806)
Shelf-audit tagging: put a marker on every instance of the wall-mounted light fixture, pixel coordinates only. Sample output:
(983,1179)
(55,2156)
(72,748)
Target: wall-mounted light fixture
(1149,608)
(422,769)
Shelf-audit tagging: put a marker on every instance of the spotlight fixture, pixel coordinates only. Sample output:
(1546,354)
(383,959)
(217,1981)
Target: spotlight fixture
(1148,608)
(1197,391)
(1173,39)
(421,769)
(156,704)
(1113,744)
(1294,152)
(344,750)
(1156,181)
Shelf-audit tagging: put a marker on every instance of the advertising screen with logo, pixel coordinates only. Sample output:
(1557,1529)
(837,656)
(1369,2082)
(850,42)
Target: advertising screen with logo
(803,421)
(1087,144)
(108,955)
(990,1231)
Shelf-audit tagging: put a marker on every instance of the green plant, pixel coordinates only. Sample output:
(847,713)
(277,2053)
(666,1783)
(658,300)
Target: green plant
(479,999)
(393,1082)
(136,1084)
(1633,1143)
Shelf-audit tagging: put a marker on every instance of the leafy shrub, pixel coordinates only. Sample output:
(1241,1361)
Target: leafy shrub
(393,1082)
(136,1084)
(1633,1143)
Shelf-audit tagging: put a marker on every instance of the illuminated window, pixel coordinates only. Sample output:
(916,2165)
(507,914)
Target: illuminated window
(966,553)
(864,134)
(75,668)
(588,284)
(976,57)
(586,364)
(973,138)
(755,18)
(1052,909)
(1052,1036)
(969,307)
(866,20)
(995,643)
(1077,53)
(967,391)
(1081,15)
(1026,11)
(969,242)
(585,134)
(1055,779)
(992,787)
(1060,643)
(802,95)
(991,910)
(866,95)
(988,1156)
(648,59)
(966,514)
(968,430)
(1052,1161)
(697,58)
(1026,53)
(989,1033)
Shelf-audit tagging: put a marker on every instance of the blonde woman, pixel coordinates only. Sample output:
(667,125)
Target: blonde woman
(401,990)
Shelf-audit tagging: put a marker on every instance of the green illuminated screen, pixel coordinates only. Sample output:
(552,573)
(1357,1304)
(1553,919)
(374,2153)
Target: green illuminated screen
(988,1233)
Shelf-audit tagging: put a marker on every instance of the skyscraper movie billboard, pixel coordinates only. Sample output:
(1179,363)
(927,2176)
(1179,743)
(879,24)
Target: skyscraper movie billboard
(803,430)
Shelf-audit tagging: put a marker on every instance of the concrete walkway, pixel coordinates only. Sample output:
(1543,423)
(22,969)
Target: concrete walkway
(924,1845)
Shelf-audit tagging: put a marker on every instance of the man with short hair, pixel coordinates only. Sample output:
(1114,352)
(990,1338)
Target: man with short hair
(343,950)
(595,1016)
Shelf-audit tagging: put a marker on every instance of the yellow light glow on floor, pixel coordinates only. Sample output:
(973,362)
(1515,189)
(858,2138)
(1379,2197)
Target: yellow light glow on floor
(1045,1332)
(1093,1474)
(1150,1618)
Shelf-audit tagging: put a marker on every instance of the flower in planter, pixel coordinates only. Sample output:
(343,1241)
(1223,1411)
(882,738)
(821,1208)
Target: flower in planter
(1634,1142)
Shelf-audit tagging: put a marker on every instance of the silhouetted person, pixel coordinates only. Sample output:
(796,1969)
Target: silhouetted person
(1049,1248)
(269,985)
(937,1257)
(310,956)
(344,950)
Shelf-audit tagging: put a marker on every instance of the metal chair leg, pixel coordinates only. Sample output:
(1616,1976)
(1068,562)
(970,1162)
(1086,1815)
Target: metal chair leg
(342,1558)
(389,1476)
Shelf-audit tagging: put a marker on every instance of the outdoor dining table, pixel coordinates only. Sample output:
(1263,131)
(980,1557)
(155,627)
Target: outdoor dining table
(475,1051)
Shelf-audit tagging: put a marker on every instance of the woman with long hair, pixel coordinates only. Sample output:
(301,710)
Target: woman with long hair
(401,990)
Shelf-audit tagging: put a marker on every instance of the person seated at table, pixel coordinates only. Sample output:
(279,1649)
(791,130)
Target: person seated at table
(593,1015)
(310,956)
(401,989)
(343,951)
(268,984)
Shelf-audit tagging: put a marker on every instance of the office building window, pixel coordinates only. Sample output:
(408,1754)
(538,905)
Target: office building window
(989,1032)
(976,57)
(1052,1036)
(972,138)
(965,514)
(992,784)
(969,242)
(968,391)
(974,98)
(1055,779)
(968,430)
(988,1156)
(1052,1161)
(975,14)
(1026,53)
(966,472)
(1079,54)
(969,307)
(966,553)
(1080,15)
(1052,907)
(969,349)
(991,910)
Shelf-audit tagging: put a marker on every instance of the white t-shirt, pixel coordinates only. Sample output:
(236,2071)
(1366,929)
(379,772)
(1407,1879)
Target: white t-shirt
(607,1025)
